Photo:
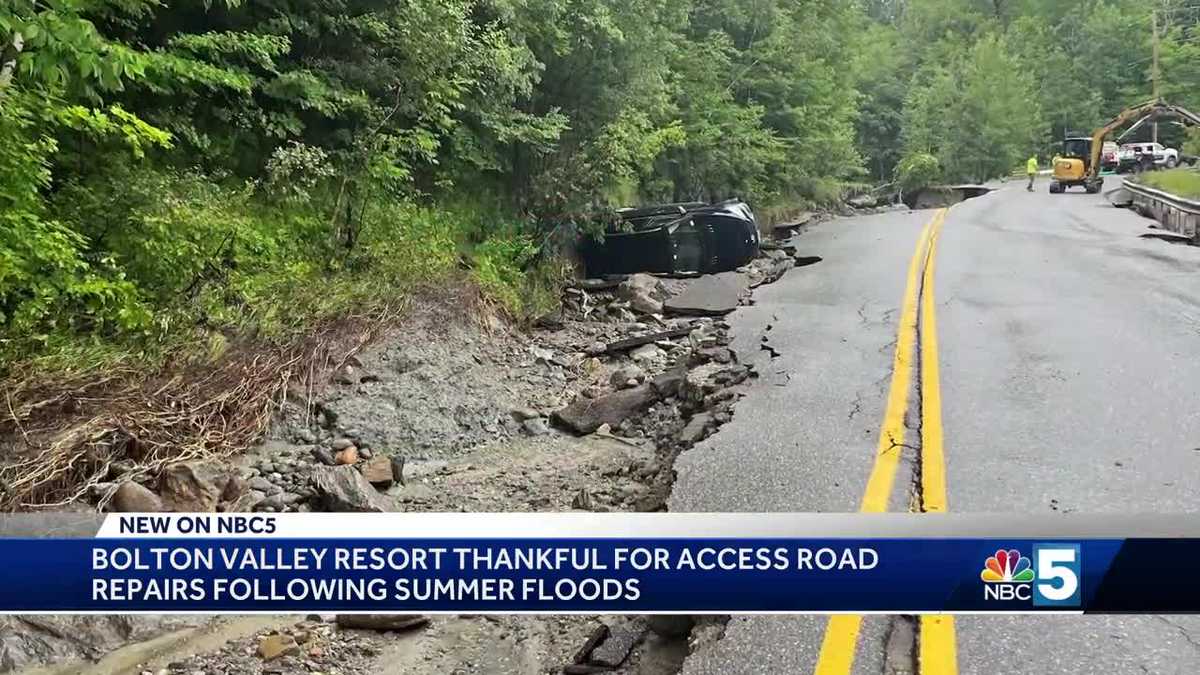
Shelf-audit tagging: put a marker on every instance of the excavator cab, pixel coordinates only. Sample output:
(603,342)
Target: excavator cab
(1074,167)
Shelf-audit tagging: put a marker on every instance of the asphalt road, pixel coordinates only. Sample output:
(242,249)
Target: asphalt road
(1068,381)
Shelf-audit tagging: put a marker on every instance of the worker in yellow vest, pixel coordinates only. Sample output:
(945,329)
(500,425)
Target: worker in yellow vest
(1031,167)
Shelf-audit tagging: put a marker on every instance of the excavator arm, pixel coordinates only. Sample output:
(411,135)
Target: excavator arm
(1156,108)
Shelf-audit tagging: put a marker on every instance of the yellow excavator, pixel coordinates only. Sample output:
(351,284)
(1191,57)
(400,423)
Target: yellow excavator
(1079,163)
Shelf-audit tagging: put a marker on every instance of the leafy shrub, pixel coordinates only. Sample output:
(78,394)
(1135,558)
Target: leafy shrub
(917,170)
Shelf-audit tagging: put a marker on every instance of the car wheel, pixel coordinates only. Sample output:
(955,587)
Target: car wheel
(1172,162)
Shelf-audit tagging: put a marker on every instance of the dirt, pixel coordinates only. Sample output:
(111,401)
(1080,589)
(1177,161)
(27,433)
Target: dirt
(467,404)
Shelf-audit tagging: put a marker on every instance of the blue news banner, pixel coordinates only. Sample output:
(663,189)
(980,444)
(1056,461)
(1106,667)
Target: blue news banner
(598,575)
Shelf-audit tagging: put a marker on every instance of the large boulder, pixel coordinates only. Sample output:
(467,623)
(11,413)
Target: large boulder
(344,489)
(586,415)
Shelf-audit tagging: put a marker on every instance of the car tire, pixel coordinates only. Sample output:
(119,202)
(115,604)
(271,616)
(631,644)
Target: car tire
(1172,162)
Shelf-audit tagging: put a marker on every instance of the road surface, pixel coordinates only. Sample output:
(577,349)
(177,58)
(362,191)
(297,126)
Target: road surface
(1066,349)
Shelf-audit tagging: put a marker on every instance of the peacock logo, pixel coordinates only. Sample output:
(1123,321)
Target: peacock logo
(1007,567)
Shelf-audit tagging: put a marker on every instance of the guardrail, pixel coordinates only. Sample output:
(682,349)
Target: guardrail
(1176,213)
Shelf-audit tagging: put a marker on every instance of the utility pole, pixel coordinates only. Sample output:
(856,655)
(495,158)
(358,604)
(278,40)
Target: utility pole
(1155,73)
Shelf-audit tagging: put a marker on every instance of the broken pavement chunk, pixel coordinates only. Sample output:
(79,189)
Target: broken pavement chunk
(598,635)
(623,635)
(706,296)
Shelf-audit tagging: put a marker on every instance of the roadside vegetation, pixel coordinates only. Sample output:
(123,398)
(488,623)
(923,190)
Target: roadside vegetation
(1182,182)
(177,177)
(175,174)
(207,206)
(979,86)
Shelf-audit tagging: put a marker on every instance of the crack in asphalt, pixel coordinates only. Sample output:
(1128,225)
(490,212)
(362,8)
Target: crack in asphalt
(1182,631)
(857,406)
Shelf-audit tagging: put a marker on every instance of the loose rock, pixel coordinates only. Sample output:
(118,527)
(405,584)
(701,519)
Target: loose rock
(536,426)
(621,377)
(132,497)
(586,415)
(378,472)
(347,456)
(274,646)
(323,455)
(189,487)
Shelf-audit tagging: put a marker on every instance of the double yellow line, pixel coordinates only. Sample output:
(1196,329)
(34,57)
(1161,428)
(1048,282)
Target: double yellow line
(936,652)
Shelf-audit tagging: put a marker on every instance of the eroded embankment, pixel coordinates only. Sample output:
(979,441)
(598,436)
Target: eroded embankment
(445,412)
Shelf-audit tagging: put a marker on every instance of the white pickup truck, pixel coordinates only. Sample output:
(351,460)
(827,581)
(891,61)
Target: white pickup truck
(1130,156)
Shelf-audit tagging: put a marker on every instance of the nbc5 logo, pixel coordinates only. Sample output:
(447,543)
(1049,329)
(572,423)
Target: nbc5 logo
(1050,579)
(1057,568)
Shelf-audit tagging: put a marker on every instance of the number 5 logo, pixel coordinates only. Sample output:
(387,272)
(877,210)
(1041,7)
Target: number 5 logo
(1057,567)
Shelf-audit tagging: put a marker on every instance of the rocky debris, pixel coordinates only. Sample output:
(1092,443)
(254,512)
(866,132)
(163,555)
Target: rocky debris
(646,353)
(586,415)
(307,647)
(645,293)
(131,497)
(646,387)
(711,295)
(651,338)
(866,201)
(382,622)
(344,489)
(770,268)
(627,377)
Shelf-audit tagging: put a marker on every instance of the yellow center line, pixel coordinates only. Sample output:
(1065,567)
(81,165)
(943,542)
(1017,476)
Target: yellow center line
(841,634)
(937,652)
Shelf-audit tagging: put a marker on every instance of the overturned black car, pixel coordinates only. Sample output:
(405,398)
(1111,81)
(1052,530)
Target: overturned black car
(680,238)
